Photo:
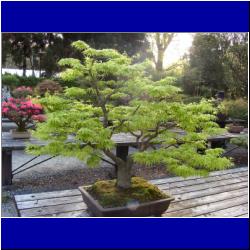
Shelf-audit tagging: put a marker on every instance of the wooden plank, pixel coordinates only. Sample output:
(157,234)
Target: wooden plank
(224,136)
(49,202)
(215,173)
(243,216)
(229,212)
(208,208)
(203,180)
(80,213)
(122,139)
(210,191)
(50,210)
(215,195)
(184,204)
(180,190)
(63,193)
(46,195)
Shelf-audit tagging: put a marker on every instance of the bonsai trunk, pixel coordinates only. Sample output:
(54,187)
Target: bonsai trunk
(124,167)
(124,175)
(21,127)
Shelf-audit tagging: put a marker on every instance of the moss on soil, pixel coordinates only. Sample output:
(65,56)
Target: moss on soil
(109,195)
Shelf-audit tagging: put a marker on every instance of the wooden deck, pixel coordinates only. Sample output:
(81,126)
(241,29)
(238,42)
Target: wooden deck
(222,194)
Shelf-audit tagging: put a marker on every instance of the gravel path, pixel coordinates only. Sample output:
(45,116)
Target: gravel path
(62,173)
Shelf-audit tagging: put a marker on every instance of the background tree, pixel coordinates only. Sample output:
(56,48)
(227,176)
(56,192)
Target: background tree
(217,61)
(23,47)
(28,50)
(160,43)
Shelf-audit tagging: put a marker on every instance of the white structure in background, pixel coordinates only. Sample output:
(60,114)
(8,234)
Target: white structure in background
(19,72)
(5,95)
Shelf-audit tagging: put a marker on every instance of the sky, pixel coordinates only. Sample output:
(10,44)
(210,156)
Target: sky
(178,47)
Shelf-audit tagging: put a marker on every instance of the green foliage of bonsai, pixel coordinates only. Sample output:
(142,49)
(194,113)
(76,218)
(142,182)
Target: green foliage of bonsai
(93,113)
(109,195)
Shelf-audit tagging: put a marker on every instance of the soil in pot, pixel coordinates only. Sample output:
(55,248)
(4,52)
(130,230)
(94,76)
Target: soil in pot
(109,195)
(142,199)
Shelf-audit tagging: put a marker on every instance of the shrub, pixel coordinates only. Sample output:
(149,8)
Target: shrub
(241,141)
(10,80)
(236,109)
(22,92)
(48,86)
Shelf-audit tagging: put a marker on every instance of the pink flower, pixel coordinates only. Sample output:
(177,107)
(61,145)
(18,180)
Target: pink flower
(22,111)
(5,110)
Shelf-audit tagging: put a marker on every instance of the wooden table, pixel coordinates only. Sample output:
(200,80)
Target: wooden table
(221,194)
(123,141)
(221,140)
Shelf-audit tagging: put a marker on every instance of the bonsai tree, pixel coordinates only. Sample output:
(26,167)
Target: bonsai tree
(22,112)
(97,111)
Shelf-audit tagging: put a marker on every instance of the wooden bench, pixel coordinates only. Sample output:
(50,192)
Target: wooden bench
(221,194)
(123,141)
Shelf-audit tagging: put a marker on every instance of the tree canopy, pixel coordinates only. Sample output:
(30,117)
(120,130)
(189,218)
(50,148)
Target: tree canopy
(35,50)
(217,61)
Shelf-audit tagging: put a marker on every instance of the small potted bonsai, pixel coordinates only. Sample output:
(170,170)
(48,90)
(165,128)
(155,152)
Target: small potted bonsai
(235,128)
(107,76)
(22,111)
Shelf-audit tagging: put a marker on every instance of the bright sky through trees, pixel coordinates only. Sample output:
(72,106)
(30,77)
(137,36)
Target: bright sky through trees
(178,47)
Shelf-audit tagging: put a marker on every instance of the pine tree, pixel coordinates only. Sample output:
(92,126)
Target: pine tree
(118,96)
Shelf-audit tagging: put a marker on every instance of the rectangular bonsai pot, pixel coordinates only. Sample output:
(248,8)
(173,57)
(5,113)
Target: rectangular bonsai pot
(152,208)
(20,135)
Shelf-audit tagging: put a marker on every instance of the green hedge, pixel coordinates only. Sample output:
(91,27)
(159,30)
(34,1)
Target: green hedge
(14,81)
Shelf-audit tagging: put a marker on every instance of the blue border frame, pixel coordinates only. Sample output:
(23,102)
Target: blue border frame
(125,233)
(197,16)
(125,17)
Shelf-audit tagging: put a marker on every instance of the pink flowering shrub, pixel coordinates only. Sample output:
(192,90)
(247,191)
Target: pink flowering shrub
(22,111)
(22,92)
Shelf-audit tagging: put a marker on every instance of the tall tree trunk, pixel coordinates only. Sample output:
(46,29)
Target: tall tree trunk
(160,58)
(124,174)
(24,66)
(32,65)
